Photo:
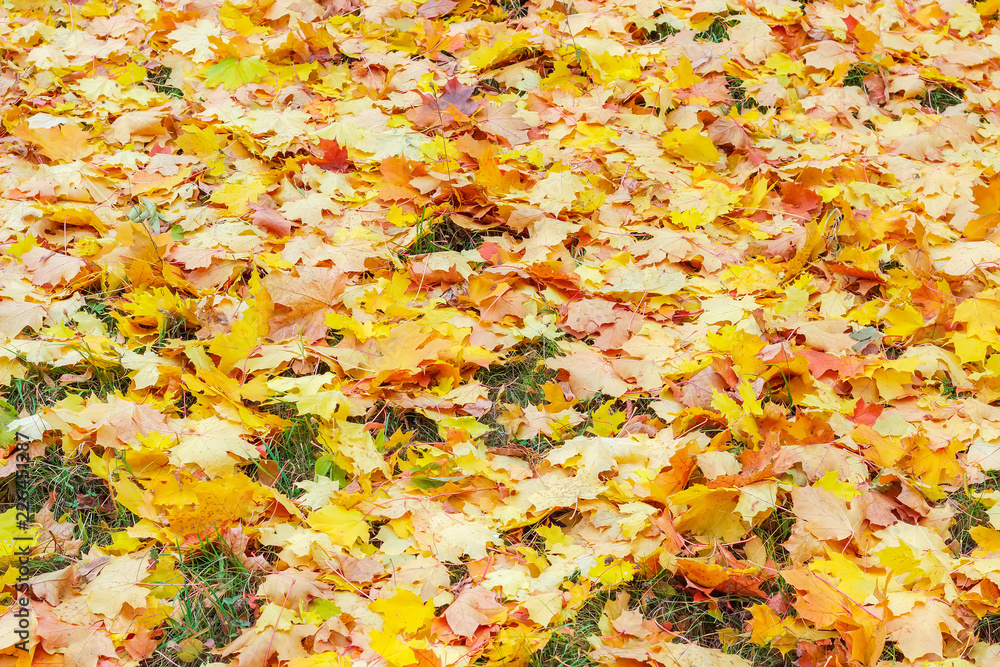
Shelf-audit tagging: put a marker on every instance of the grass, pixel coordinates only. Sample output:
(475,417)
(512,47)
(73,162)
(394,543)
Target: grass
(697,621)
(717,32)
(34,391)
(951,392)
(99,308)
(773,532)
(79,497)
(39,389)
(718,621)
(443,234)
(738,92)
(175,327)
(706,623)
(988,629)
(940,97)
(856,75)
(519,379)
(422,429)
(44,565)
(214,606)
(568,643)
(661,32)
(457,573)
(294,450)
(970,511)
(513,9)
(158,77)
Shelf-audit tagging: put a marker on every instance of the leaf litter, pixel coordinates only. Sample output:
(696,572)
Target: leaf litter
(447,333)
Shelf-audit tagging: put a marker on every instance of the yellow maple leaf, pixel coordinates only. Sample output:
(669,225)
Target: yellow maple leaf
(238,194)
(710,512)
(323,659)
(765,625)
(131,74)
(345,527)
(692,144)
(980,314)
(684,73)
(904,321)
(392,648)
(404,612)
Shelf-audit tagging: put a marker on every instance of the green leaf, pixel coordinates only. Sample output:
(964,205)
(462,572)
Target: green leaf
(327,468)
(232,72)
(324,608)
(7,415)
(428,483)
(177,233)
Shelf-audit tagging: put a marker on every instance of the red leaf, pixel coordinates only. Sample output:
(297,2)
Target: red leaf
(334,156)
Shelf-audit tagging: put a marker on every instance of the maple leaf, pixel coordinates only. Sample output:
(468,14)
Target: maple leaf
(588,374)
(345,527)
(55,535)
(499,120)
(64,142)
(826,516)
(987,198)
(16,316)
(233,72)
(270,637)
(79,645)
(404,612)
(211,444)
(459,96)
(333,157)
(112,424)
(454,106)
(292,587)
(393,649)
(472,608)
(270,220)
(304,301)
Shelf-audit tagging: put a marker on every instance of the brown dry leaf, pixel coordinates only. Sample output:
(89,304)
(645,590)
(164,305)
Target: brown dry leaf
(304,300)
(55,535)
(472,608)
(588,373)
(825,515)
(79,645)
